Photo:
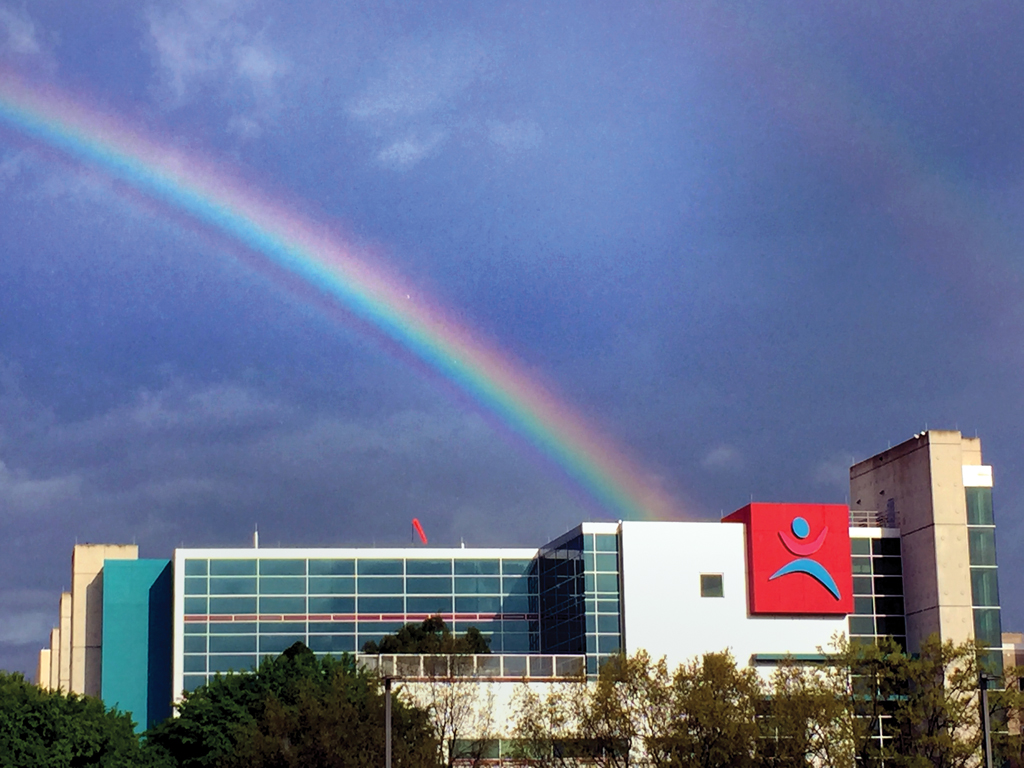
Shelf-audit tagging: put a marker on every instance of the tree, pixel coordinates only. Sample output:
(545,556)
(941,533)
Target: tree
(924,706)
(805,719)
(547,727)
(460,706)
(432,636)
(703,714)
(938,723)
(714,705)
(294,710)
(1008,719)
(52,728)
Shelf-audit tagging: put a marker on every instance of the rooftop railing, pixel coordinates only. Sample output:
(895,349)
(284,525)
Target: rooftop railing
(488,666)
(865,518)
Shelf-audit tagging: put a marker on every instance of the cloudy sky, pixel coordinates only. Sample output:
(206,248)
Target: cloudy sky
(748,242)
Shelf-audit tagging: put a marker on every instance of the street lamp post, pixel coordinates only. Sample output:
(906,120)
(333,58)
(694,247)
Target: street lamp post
(387,721)
(986,724)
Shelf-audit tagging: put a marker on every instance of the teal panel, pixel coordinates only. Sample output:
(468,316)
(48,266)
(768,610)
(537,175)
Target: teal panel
(136,657)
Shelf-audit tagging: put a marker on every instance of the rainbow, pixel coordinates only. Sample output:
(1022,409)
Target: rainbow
(299,252)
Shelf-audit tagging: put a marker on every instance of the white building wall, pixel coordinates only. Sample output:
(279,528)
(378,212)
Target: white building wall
(664,613)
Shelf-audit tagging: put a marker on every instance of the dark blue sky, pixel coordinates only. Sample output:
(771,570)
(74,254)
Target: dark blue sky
(749,242)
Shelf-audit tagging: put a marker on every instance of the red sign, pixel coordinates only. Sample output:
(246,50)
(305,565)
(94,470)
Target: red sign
(798,558)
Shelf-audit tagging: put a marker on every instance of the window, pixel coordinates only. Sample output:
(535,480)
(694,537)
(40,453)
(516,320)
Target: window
(711,585)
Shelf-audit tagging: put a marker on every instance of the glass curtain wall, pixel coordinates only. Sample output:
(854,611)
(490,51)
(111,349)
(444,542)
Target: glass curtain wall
(877,591)
(239,610)
(981,540)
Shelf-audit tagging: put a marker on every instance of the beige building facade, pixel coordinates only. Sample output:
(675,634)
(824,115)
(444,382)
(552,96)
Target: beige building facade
(936,490)
(73,662)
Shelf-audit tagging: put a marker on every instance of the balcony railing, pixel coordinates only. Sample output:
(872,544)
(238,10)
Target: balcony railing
(865,518)
(487,666)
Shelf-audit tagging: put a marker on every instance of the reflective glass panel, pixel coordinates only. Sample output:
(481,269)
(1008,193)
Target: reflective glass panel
(477,567)
(470,585)
(888,585)
(861,586)
(515,567)
(428,604)
(232,567)
(428,567)
(232,605)
(283,585)
(381,604)
(889,605)
(333,643)
(283,627)
(982,545)
(478,604)
(232,586)
(275,567)
(888,565)
(379,567)
(984,586)
(863,606)
(711,585)
(232,643)
(607,582)
(332,604)
(195,567)
(979,506)
(332,585)
(515,604)
(335,627)
(234,662)
(332,567)
(987,628)
(278,643)
(426,585)
(886,546)
(379,585)
(232,627)
(282,605)
(195,605)
(862,625)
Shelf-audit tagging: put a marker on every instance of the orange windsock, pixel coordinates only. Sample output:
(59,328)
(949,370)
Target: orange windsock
(419,530)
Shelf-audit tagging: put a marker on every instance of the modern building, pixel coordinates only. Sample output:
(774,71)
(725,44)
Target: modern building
(935,492)
(913,554)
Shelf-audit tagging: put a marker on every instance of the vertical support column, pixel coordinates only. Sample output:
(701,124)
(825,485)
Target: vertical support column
(387,721)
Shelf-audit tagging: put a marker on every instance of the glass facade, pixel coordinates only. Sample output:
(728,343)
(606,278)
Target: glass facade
(877,591)
(580,605)
(981,542)
(237,610)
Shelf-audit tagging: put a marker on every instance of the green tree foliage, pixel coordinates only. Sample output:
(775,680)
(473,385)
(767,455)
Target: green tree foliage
(711,713)
(1007,708)
(50,728)
(805,719)
(430,637)
(295,710)
(703,714)
(925,704)
(714,706)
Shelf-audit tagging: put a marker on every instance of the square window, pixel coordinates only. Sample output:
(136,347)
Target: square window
(711,585)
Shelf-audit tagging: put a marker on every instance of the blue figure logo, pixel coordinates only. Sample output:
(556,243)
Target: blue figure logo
(803,549)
